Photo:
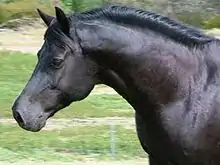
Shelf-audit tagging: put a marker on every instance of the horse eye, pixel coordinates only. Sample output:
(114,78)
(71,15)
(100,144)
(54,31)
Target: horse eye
(56,63)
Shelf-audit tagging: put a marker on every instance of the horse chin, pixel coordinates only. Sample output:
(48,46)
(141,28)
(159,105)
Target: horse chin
(39,128)
(36,127)
(41,124)
(51,114)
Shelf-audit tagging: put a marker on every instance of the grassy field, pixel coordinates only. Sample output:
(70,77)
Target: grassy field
(66,145)
(16,68)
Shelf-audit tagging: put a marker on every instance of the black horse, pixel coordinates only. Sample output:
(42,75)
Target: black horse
(168,72)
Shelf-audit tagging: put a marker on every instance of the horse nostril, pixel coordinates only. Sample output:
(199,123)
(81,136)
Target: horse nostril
(18,118)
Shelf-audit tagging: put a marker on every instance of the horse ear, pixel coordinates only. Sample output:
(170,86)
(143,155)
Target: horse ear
(62,19)
(46,18)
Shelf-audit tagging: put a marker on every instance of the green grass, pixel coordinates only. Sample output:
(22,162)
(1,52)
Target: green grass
(68,144)
(16,68)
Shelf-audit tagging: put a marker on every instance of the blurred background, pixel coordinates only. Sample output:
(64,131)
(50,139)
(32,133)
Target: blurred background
(99,130)
(200,13)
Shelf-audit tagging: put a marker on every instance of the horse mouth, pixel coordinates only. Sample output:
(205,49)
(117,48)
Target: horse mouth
(63,100)
(51,114)
(52,111)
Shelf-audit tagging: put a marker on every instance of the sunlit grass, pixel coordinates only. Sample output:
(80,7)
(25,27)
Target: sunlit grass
(68,144)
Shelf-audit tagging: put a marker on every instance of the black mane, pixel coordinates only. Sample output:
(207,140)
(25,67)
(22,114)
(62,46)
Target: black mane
(178,32)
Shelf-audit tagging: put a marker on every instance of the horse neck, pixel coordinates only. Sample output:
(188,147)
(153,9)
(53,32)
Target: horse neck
(115,46)
(144,62)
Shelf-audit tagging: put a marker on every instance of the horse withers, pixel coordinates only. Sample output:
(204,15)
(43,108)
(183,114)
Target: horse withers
(168,72)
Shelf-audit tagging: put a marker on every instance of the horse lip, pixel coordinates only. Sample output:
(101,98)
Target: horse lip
(51,113)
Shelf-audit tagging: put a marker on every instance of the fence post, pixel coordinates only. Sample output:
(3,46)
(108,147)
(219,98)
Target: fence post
(112,139)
